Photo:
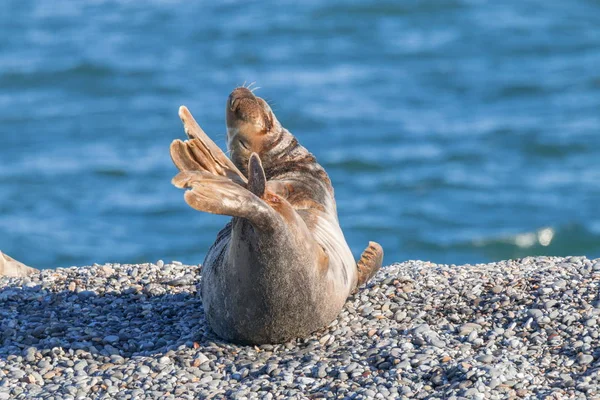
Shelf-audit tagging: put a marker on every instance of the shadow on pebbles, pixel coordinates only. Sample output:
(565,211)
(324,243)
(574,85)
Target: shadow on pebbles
(522,329)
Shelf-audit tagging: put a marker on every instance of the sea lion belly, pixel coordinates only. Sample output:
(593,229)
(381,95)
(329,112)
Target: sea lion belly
(259,288)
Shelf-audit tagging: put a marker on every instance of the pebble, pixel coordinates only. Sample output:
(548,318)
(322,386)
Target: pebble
(80,365)
(549,304)
(164,360)
(200,358)
(143,369)
(400,315)
(322,372)
(467,328)
(418,330)
(486,358)
(111,338)
(535,313)
(585,359)
(351,367)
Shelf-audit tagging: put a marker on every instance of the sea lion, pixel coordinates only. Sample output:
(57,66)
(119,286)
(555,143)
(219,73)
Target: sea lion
(281,268)
(13,268)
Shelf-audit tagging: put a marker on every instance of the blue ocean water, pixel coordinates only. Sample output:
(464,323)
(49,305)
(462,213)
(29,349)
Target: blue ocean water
(456,131)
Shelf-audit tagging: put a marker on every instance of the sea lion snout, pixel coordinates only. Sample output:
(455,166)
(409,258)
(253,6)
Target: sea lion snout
(249,122)
(243,105)
(237,95)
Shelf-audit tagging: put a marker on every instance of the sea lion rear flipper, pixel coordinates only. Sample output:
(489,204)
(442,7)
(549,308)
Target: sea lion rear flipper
(200,153)
(369,263)
(257,182)
(220,195)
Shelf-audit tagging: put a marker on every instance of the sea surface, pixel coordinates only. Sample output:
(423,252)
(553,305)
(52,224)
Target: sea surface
(455,131)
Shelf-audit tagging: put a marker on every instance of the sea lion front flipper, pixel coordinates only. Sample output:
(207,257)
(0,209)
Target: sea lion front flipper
(369,263)
(257,182)
(200,153)
(219,195)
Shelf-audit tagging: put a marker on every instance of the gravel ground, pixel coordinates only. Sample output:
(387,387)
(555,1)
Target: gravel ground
(512,329)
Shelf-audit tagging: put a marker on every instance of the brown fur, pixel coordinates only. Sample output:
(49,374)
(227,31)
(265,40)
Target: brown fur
(281,268)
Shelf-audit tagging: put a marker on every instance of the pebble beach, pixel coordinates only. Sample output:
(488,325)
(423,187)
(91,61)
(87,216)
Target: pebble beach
(526,328)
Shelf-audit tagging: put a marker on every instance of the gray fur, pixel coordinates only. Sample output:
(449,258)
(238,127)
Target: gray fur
(258,288)
(281,268)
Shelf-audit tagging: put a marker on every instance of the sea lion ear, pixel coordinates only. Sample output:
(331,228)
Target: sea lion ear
(257,182)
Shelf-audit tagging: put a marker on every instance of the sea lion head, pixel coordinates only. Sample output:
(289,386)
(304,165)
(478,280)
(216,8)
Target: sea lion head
(251,125)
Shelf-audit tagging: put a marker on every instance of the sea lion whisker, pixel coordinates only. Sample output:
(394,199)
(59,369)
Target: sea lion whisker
(222,140)
(253,89)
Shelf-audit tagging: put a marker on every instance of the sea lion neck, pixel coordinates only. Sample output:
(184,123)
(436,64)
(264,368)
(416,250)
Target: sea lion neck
(277,153)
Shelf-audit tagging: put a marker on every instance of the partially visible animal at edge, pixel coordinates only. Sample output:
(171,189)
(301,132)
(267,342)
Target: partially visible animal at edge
(13,268)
